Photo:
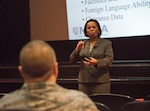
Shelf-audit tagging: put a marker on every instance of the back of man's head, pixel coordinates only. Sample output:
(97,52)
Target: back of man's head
(37,58)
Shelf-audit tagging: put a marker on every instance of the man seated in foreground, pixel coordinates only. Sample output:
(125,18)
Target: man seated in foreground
(40,92)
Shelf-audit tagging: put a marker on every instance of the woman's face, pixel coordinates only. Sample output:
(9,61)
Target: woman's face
(92,29)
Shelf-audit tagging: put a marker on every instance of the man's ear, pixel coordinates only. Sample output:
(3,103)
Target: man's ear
(56,69)
(21,70)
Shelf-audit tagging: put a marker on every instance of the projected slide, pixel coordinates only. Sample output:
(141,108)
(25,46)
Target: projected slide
(118,18)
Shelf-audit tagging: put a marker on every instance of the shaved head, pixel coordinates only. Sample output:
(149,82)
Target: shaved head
(37,58)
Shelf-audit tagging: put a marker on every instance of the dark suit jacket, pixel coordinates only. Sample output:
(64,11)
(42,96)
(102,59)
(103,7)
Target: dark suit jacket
(103,52)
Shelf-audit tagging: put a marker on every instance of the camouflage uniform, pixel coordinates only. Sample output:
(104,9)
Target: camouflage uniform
(47,96)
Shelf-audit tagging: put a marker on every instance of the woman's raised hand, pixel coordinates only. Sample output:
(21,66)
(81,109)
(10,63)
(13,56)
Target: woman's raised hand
(80,45)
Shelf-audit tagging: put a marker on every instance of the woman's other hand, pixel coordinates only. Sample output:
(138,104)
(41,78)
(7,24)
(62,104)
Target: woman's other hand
(90,61)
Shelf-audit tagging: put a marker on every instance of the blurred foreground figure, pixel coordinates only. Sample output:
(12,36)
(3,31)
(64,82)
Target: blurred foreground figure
(40,92)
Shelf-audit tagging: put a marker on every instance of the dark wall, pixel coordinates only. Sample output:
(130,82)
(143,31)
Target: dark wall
(135,48)
(14,29)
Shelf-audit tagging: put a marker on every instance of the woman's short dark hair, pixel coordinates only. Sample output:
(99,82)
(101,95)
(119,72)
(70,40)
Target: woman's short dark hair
(98,25)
